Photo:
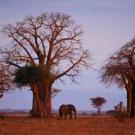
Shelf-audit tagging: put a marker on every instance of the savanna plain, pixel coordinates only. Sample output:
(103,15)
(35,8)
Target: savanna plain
(83,125)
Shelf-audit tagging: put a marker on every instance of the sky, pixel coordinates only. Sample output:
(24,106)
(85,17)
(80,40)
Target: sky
(107,25)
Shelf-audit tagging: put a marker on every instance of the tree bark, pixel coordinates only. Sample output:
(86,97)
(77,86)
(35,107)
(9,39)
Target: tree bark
(128,86)
(129,99)
(132,113)
(99,110)
(42,102)
(35,108)
(48,101)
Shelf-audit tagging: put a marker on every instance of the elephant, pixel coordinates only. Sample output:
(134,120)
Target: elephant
(65,110)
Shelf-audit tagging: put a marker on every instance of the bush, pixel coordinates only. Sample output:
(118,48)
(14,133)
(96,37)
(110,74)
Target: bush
(1,116)
(120,116)
(120,112)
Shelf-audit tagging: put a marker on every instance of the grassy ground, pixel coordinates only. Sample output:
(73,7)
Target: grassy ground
(92,125)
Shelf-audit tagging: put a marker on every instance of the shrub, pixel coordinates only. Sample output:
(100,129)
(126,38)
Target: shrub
(1,116)
(120,112)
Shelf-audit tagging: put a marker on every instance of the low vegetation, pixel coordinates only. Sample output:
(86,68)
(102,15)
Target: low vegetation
(120,112)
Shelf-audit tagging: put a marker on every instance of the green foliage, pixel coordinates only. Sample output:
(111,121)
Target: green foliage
(33,74)
(29,74)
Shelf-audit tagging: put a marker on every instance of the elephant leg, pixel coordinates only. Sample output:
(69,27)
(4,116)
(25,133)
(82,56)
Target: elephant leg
(70,115)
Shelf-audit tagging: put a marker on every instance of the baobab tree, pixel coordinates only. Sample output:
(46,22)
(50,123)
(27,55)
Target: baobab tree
(51,41)
(98,102)
(34,76)
(120,69)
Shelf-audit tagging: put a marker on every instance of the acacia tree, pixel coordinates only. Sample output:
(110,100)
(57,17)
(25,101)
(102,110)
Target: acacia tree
(120,69)
(114,72)
(98,102)
(52,41)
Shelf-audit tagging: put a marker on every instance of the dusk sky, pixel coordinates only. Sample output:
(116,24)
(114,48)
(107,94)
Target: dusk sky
(107,25)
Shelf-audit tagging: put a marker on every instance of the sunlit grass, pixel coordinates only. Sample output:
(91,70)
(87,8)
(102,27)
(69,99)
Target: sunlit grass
(93,125)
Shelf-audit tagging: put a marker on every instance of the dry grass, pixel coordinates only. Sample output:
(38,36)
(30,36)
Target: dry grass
(92,125)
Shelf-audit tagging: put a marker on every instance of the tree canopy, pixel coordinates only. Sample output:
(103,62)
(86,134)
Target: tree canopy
(52,42)
(97,102)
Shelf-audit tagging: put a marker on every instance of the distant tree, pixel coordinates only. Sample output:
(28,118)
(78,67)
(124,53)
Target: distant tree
(98,102)
(52,41)
(120,69)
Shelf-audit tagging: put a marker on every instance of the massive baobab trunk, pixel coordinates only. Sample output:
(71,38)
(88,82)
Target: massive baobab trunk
(35,108)
(43,107)
(48,103)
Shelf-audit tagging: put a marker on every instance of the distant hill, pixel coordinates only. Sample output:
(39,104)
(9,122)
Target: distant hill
(6,111)
(26,111)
